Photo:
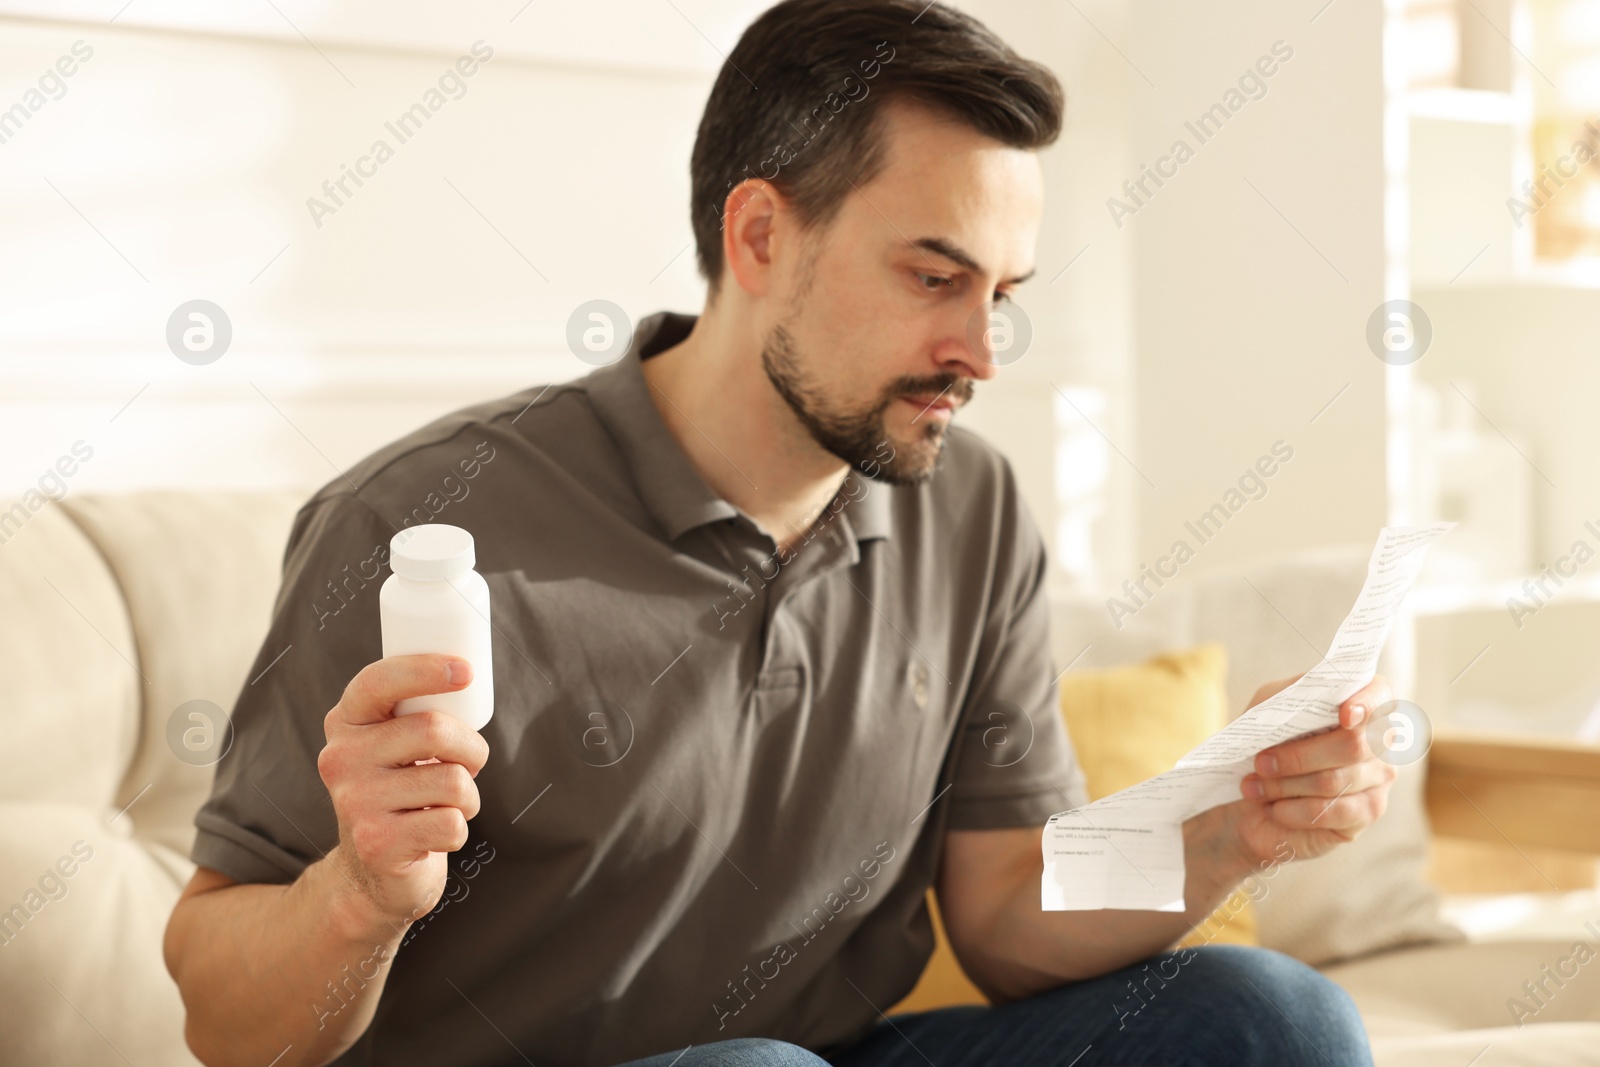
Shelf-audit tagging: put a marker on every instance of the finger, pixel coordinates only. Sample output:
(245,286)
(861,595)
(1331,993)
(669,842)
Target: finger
(373,692)
(401,790)
(1349,814)
(433,785)
(406,838)
(410,739)
(1307,755)
(1325,784)
(1359,707)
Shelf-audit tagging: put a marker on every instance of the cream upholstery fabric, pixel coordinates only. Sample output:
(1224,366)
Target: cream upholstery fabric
(118,610)
(1365,897)
(1444,1004)
(83,981)
(199,573)
(1468,987)
(71,713)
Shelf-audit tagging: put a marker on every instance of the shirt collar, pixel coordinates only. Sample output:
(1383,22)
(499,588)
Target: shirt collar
(672,490)
(868,512)
(674,493)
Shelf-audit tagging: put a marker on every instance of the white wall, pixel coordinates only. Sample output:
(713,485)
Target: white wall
(1256,268)
(179,165)
(1062,411)
(1525,352)
(179,162)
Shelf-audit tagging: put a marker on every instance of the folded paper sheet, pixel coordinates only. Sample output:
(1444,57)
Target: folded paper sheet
(1126,850)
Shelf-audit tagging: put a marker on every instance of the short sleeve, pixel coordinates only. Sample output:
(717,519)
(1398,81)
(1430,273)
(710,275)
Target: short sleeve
(1015,765)
(269,814)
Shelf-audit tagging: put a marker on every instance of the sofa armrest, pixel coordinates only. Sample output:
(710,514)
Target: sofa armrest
(1537,792)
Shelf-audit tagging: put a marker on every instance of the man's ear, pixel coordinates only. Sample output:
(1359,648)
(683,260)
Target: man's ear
(753,216)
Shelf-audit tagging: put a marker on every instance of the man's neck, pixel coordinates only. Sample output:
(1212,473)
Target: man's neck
(740,435)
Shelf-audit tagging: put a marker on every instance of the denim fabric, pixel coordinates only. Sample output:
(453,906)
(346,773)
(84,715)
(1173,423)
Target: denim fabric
(1213,1006)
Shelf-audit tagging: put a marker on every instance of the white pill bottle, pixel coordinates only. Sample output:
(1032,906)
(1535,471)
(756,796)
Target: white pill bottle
(435,602)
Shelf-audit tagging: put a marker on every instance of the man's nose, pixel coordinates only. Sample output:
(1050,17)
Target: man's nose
(969,351)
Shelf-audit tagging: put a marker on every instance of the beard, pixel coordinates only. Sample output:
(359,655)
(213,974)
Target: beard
(858,435)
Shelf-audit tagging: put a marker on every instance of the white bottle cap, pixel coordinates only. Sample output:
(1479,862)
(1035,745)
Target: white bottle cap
(431,553)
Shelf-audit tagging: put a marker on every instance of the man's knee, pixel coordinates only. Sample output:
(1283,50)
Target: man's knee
(752,1052)
(1275,1006)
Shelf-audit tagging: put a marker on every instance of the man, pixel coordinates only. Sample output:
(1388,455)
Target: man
(754,601)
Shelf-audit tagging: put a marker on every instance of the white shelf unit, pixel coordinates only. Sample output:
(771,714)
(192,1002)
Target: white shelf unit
(1493,653)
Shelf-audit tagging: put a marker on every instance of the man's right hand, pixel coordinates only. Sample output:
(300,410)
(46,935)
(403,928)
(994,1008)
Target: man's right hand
(398,819)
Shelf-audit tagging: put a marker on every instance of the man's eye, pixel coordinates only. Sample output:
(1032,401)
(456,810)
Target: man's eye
(1000,298)
(937,279)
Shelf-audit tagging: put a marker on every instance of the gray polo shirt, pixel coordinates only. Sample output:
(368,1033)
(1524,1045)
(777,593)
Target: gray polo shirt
(719,777)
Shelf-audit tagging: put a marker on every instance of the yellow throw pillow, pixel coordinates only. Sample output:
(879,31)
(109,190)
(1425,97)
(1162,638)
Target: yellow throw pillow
(1131,723)
(1127,724)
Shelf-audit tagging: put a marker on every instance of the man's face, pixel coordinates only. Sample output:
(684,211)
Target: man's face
(873,350)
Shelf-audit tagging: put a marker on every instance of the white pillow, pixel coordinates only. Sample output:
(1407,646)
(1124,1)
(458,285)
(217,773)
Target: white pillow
(1364,897)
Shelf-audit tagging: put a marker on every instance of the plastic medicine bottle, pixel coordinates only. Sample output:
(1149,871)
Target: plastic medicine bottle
(435,602)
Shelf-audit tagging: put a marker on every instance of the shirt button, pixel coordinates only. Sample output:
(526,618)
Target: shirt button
(919,684)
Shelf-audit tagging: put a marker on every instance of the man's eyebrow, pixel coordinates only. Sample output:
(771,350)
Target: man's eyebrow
(956,254)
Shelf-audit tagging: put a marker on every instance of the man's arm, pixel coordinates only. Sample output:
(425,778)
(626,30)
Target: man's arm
(253,963)
(989,899)
(291,974)
(1314,794)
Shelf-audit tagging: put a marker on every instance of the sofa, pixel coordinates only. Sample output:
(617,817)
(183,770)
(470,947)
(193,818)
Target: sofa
(124,610)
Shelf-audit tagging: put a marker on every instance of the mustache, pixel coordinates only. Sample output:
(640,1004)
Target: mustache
(954,387)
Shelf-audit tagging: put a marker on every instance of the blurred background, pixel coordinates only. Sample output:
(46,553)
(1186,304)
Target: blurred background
(1193,312)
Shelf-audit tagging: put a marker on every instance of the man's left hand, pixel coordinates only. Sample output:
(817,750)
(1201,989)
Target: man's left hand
(1317,792)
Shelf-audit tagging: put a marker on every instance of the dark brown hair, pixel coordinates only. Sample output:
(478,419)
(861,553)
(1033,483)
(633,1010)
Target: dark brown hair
(798,102)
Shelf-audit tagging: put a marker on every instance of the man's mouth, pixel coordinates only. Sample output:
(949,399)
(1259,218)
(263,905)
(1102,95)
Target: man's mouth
(932,404)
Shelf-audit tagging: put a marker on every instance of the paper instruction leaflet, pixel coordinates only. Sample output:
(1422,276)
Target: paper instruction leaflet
(1126,850)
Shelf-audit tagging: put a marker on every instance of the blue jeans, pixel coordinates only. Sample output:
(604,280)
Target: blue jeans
(1218,1005)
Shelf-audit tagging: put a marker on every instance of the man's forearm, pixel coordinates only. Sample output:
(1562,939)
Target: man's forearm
(1028,950)
(268,968)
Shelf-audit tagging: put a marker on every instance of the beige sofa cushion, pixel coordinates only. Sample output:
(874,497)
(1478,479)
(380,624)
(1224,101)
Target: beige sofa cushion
(158,599)
(1551,1045)
(1370,895)
(75,937)
(82,979)
(1443,1004)
(67,653)
(199,572)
